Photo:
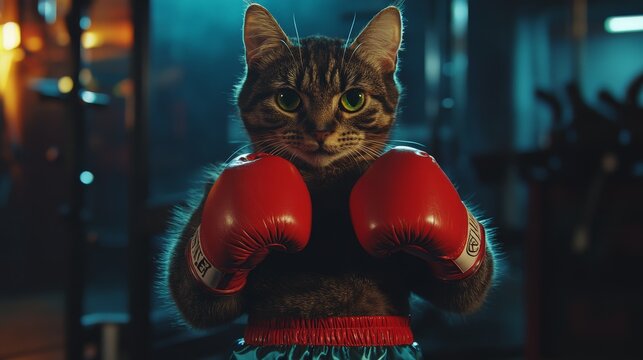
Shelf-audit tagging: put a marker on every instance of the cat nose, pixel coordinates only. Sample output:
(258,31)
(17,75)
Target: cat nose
(320,136)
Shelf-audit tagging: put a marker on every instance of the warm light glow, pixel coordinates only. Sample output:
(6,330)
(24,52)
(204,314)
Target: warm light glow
(65,84)
(33,43)
(9,90)
(10,36)
(62,37)
(90,40)
(618,24)
(124,88)
(6,63)
(85,76)
(19,55)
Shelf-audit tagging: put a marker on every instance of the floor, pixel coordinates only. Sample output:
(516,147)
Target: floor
(32,327)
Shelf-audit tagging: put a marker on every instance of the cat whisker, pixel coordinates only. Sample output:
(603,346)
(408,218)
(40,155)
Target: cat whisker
(353,53)
(366,151)
(292,156)
(290,51)
(377,152)
(374,154)
(236,152)
(376,141)
(272,150)
(346,44)
(298,41)
(265,140)
(260,144)
(354,153)
(409,142)
(385,146)
(349,154)
(280,150)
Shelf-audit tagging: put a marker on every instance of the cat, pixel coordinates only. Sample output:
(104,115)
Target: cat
(328,106)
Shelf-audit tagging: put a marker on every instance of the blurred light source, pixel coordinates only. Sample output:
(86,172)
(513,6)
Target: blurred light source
(19,55)
(10,35)
(52,153)
(34,43)
(86,177)
(62,36)
(88,96)
(48,10)
(85,22)
(94,98)
(459,16)
(618,24)
(448,103)
(65,84)
(637,169)
(85,76)
(90,40)
(624,137)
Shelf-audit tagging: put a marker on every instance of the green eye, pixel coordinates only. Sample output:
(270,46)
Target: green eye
(352,100)
(288,100)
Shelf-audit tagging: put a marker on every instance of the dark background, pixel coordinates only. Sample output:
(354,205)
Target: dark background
(533,108)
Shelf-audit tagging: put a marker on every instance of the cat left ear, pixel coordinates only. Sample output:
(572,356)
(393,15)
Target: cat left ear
(381,39)
(262,35)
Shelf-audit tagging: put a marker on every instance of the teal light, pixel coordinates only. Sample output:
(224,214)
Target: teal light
(619,24)
(459,16)
(86,177)
(85,22)
(88,96)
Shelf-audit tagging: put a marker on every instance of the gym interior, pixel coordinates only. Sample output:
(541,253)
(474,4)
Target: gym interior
(111,109)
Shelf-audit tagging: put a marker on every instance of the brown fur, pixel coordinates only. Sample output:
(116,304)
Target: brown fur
(333,275)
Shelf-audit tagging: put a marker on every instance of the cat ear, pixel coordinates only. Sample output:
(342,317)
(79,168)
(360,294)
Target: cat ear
(381,39)
(262,35)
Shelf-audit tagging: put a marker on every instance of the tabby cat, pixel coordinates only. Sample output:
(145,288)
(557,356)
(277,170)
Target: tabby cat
(328,106)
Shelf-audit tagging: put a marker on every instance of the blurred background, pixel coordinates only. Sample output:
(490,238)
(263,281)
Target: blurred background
(110,109)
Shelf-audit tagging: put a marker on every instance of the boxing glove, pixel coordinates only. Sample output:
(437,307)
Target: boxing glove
(405,202)
(258,204)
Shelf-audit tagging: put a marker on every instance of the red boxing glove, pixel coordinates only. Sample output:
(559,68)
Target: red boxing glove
(405,202)
(260,202)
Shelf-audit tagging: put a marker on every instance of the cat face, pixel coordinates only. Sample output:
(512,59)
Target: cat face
(320,103)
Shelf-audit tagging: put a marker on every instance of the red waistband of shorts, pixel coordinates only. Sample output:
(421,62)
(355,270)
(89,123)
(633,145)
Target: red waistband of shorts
(333,331)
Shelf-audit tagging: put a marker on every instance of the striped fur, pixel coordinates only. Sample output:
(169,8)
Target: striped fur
(333,275)
(320,70)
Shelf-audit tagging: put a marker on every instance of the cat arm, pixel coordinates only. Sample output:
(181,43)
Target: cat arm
(198,306)
(462,296)
(258,204)
(405,203)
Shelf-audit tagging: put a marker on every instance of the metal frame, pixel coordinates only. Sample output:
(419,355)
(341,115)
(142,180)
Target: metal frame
(139,242)
(139,257)
(77,244)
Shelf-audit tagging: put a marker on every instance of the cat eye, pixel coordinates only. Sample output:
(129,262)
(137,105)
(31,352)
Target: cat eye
(352,100)
(288,100)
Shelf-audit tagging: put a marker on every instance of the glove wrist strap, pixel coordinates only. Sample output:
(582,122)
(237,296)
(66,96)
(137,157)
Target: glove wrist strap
(471,257)
(211,278)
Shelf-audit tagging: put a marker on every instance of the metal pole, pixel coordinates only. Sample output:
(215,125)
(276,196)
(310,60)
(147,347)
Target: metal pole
(76,160)
(139,241)
(579,35)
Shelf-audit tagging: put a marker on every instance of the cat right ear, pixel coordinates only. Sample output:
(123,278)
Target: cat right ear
(262,36)
(381,39)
